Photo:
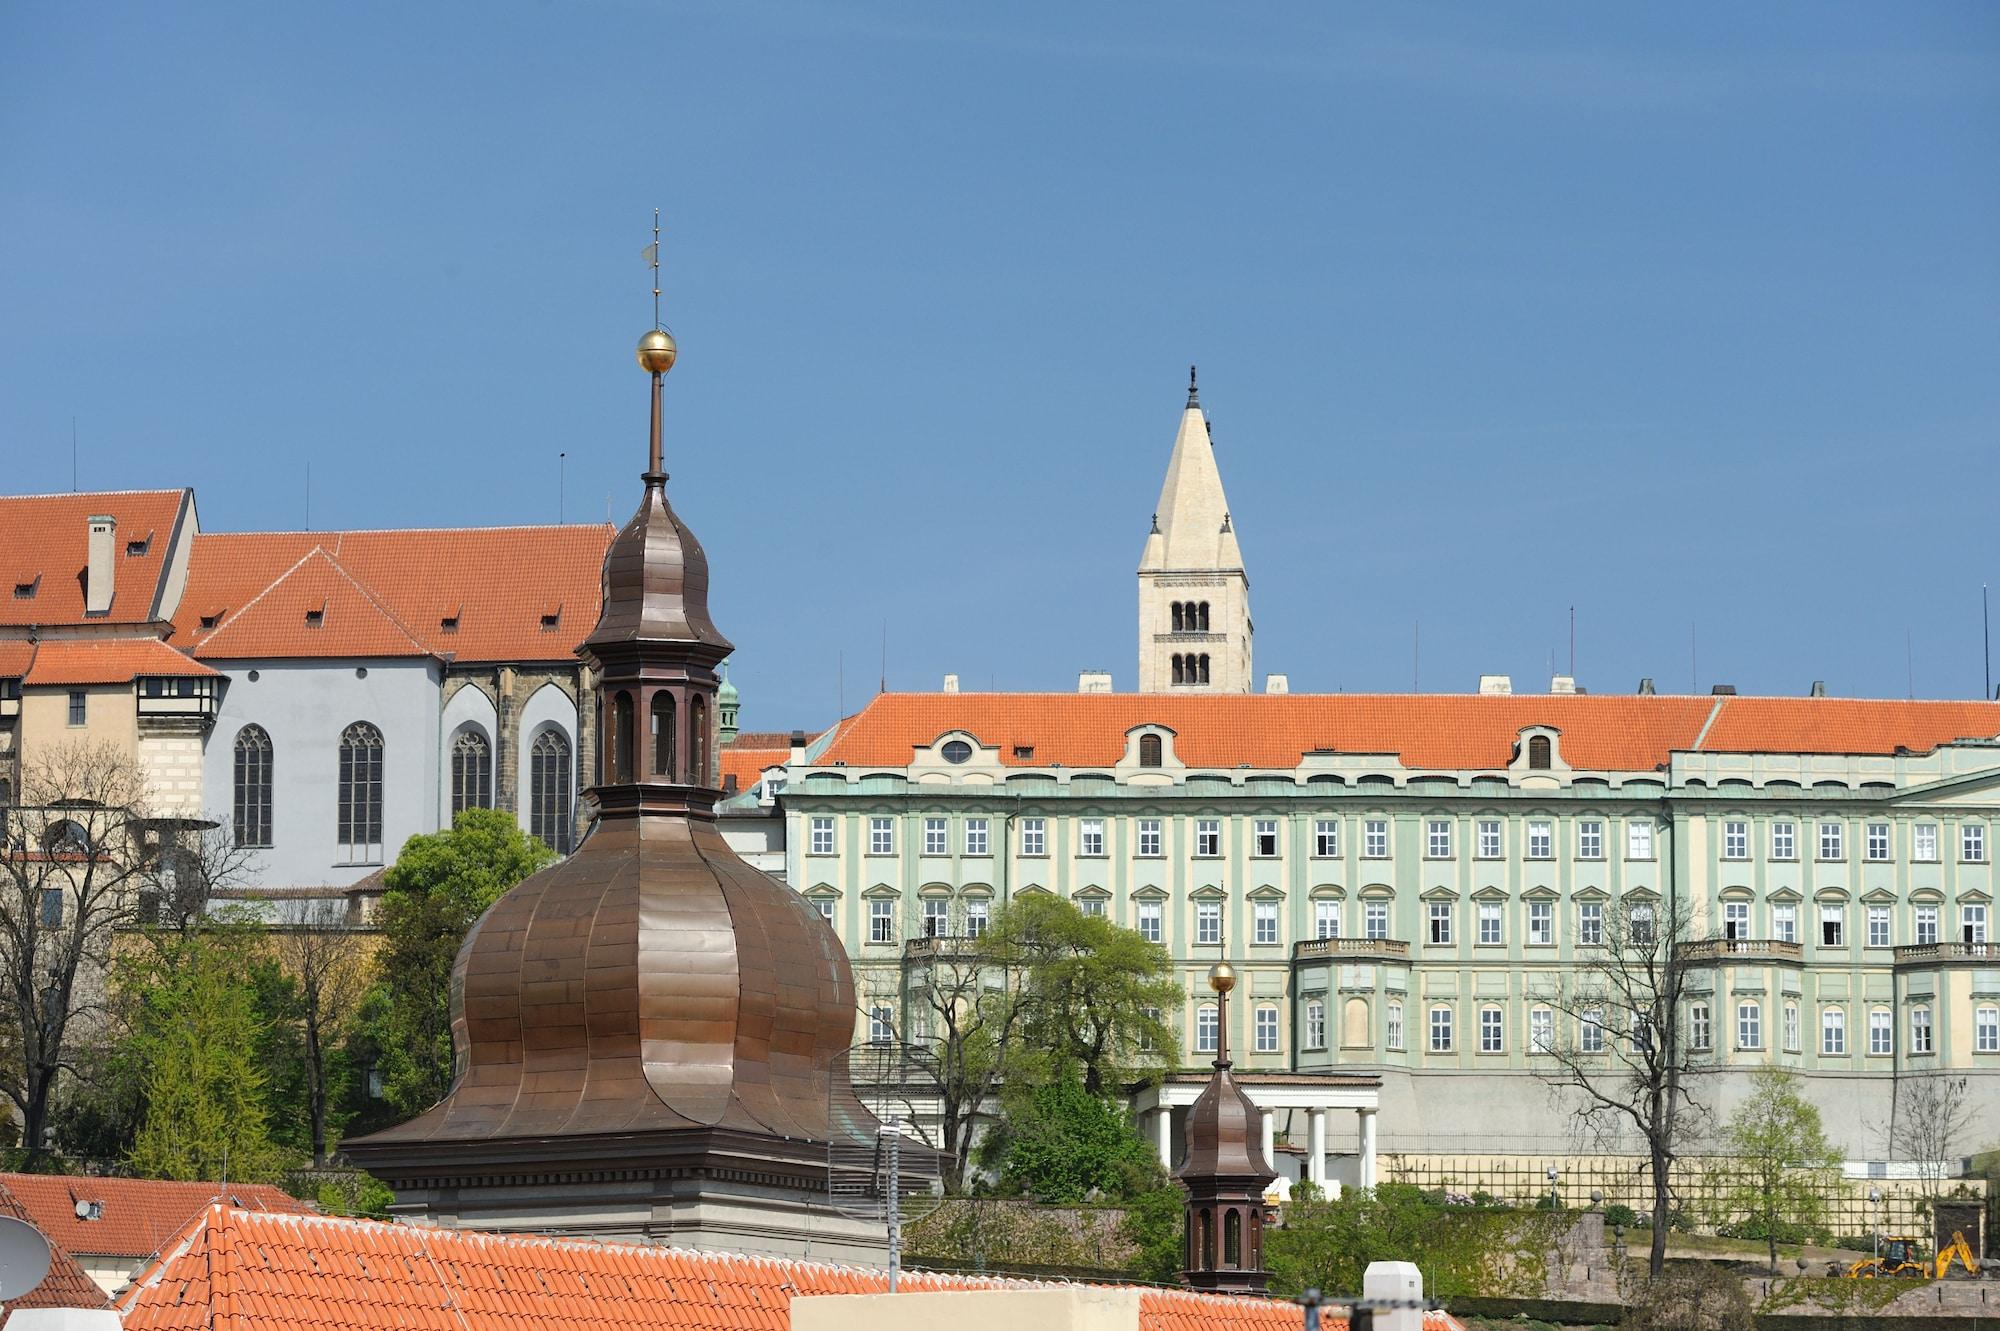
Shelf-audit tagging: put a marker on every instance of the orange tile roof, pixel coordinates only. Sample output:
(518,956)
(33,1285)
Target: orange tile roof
(315,608)
(233,1270)
(747,764)
(45,541)
(15,655)
(497,583)
(1444,732)
(67,1285)
(107,661)
(136,1216)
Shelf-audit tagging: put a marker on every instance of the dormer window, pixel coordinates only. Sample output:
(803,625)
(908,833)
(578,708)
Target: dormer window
(956,751)
(551,618)
(1149,751)
(1023,752)
(211,620)
(316,618)
(1538,753)
(25,591)
(448,624)
(138,549)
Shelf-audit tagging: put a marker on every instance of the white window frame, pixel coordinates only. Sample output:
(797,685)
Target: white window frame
(1972,922)
(1878,926)
(1793,1028)
(1492,923)
(1152,839)
(1208,923)
(936,917)
(1833,1032)
(1437,927)
(1090,837)
(1264,922)
(1437,839)
(1590,839)
(1590,1031)
(1736,840)
(882,920)
(1541,840)
(1638,840)
(977,840)
(1923,1032)
(1972,843)
(1590,924)
(1700,1028)
(1440,1026)
(1832,924)
(1326,918)
(1927,924)
(1034,836)
(1541,923)
(1881,1031)
(937,837)
(882,1023)
(1784,840)
(1924,843)
(1785,922)
(1094,907)
(1374,919)
(819,835)
(1735,919)
(881,836)
(1832,842)
(1265,1031)
(1749,1024)
(1207,1028)
(1986,1029)
(1152,921)
(1392,1023)
(977,916)
(1876,843)
(1492,1030)
(1492,842)
(1315,1023)
(1264,838)
(1326,838)
(1375,839)
(1541,1031)
(1207,838)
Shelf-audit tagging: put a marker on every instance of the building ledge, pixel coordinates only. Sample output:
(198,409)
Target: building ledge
(1327,949)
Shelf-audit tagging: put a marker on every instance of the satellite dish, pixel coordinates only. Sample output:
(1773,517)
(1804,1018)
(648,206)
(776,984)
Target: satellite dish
(24,1257)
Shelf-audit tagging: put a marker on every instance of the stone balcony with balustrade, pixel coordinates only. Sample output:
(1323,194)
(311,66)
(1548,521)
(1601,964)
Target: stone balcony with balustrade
(1350,949)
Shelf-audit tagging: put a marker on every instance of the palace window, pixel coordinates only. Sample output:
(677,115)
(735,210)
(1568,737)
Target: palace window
(1749,1025)
(1541,1030)
(1541,923)
(881,836)
(1924,843)
(1375,839)
(1437,839)
(1490,844)
(1267,1029)
(1878,926)
(977,917)
(1735,919)
(1315,1024)
(819,836)
(551,807)
(1736,841)
(1326,919)
(1440,1030)
(1094,907)
(252,792)
(1590,840)
(1590,924)
(1149,751)
(1986,1030)
(1881,1031)
(937,917)
(358,796)
(1833,926)
(1326,838)
(1208,923)
(1638,841)
(1034,836)
(1641,926)
(882,1024)
(1784,841)
(1090,837)
(1150,841)
(1877,844)
(1264,834)
(1590,1032)
(1440,919)
(1699,1034)
(1492,1030)
(1920,1031)
(937,838)
(1833,1031)
(1791,1028)
(824,905)
(1927,925)
(79,702)
(882,920)
(975,836)
(471,771)
(1149,921)
(1207,837)
(1489,922)
(1375,919)
(1392,1021)
(1541,841)
(1785,923)
(1832,841)
(1538,753)
(1972,923)
(1264,922)
(1205,1028)
(1972,843)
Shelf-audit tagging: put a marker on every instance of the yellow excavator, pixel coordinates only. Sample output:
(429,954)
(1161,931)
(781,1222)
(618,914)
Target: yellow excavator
(1900,1257)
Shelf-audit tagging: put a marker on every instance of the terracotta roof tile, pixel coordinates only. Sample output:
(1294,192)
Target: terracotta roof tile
(1442,732)
(135,1216)
(233,1268)
(495,586)
(66,1285)
(107,661)
(316,608)
(15,654)
(45,543)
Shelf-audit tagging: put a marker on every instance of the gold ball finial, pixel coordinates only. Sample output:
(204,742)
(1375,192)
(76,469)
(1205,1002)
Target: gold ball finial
(657,351)
(1222,977)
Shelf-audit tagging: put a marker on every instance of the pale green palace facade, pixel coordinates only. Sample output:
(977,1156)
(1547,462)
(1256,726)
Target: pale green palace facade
(1396,915)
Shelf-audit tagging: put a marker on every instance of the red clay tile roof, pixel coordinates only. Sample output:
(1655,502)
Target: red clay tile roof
(66,1285)
(234,1270)
(497,583)
(136,1216)
(1446,732)
(107,661)
(15,654)
(315,608)
(747,765)
(45,540)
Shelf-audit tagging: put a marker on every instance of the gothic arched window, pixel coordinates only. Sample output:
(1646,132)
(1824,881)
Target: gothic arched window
(550,803)
(359,797)
(471,771)
(1149,750)
(663,735)
(252,789)
(1538,752)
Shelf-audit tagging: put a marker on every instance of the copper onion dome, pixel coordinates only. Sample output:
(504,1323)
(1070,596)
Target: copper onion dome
(652,982)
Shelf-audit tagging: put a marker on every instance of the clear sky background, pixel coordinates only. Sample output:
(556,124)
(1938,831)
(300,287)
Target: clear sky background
(1684,316)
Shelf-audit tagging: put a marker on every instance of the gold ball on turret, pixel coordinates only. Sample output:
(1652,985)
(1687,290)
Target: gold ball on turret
(1222,977)
(657,351)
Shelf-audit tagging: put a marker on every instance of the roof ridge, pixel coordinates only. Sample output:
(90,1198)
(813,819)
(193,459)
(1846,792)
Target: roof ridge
(362,589)
(414,531)
(368,593)
(269,587)
(88,494)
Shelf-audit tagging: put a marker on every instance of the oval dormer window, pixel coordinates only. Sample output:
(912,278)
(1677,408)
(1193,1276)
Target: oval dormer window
(956,751)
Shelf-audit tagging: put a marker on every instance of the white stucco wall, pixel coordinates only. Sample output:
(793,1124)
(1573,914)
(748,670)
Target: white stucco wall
(305,705)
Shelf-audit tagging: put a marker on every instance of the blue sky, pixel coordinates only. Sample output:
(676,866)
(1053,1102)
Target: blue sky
(1685,316)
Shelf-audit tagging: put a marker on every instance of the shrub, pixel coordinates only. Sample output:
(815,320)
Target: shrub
(1689,1296)
(1620,1214)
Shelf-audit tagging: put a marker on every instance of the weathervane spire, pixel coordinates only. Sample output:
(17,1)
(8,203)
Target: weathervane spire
(653,258)
(657,353)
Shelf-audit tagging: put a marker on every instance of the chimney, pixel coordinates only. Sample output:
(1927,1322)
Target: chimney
(951,683)
(1277,684)
(1094,681)
(1399,1283)
(1724,690)
(1496,685)
(1563,684)
(1646,689)
(102,570)
(1819,688)
(798,748)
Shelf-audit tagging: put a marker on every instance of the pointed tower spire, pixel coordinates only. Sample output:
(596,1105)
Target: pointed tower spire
(1224,1172)
(1194,595)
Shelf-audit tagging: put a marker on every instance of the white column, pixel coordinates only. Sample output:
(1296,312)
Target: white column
(1316,1148)
(1270,1138)
(1367,1147)
(1163,1126)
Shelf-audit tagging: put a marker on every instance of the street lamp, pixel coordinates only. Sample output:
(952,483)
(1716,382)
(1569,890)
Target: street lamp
(1875,1209)
(1553,1174)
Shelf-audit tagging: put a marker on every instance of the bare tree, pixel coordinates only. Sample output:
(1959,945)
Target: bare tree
(83,854)
(1933,1112)
(1620,1049)
(323,952)
(968,997)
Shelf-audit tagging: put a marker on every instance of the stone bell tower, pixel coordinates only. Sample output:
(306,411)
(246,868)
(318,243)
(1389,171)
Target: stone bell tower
(1225,1173)
(1194,597)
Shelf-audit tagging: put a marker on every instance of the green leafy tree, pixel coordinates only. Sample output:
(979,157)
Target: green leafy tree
(1785,1169)
(1060,1144)
(1463,1250)
(197,1039)
(1096,994)
(438,887)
